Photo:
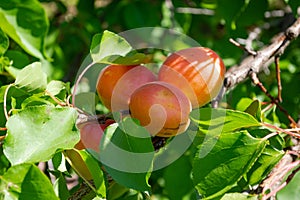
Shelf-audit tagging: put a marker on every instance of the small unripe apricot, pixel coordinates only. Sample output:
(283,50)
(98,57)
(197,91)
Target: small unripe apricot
(91,134)
(161,108)
(197,71)
(116,83)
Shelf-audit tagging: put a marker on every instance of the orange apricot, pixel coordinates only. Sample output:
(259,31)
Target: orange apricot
(116,83)
(161,108)
(197,71)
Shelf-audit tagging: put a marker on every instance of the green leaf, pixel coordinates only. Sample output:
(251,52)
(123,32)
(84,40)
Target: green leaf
(239,196)
(4,42)
(57,88)
(249,106)
(111,48)
(96,172)
(35,100)
(230,158)
(26,181)
(292,190)
(225,120)
(60,188)
(59,162)
(277,141)
(32,79)
(19,58)
(26,23)
(132,58)
(127,154)
(213,122)
(5,62)
(264,164)
(116,191)
(108,44)
(175,174)
(36,133)
(4,163)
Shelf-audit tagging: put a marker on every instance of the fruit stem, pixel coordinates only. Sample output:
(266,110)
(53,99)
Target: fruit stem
(78,80)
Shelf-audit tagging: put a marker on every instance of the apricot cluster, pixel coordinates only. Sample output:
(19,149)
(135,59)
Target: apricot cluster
(187,79)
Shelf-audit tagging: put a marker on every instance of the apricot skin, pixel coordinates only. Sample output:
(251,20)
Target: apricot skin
(161,108)
(116,83)
(91,134)
(197,71)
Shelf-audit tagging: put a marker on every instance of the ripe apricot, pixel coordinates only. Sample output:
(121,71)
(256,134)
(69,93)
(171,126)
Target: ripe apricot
(197,71)
(161,108)
(91,134)
(116,83)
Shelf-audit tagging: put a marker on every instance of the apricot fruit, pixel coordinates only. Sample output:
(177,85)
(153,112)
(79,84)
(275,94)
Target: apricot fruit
(116,83)
(161,108)
(91,134)
(197,71)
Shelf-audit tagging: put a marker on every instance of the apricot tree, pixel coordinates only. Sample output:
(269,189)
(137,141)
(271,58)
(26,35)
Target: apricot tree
(149,99)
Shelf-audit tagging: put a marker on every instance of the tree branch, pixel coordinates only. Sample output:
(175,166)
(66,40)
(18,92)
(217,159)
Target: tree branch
(258,62)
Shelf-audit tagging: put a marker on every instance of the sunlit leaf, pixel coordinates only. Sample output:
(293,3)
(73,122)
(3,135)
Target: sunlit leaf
(4,42)
(57,88)
(36,133)
(111,48)
(26,23)
(224,120)
(249,106)
(264,164)
(26,181)
(108,44)
(32,78)
(228,160)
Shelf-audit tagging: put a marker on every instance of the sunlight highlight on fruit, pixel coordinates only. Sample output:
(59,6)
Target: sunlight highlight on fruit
(197,71)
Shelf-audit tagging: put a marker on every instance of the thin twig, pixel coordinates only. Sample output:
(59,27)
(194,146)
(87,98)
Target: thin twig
(68,101)
(257,82)
(5,101)
(268,107)
(270,135)
(55,99)
(280,175)
(280,130)
(279,87)
(248,50)
(293,129)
